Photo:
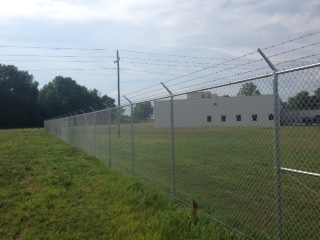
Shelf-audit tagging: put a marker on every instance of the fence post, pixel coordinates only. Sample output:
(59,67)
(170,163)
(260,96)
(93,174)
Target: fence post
(75,123)
(78,130)
(276,108)
(109,123)
(277,154)
(132,137)
(110,147)
(172,143)
(94,132)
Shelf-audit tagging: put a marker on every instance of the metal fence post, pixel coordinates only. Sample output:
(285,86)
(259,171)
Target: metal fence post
(76,127)
(173,149)
(109,123)
(110,147)
(276,109)
(132,136)
(277,154)
(78,130)
(172,143)
(94,132)
(132,141)
(84,129)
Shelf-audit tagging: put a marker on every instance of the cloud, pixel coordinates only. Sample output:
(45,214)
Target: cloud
(213,29)
(136,12)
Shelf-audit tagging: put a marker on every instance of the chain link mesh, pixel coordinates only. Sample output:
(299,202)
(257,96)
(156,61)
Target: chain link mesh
(220,147)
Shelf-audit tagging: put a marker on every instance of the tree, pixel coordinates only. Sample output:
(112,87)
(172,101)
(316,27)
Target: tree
(64,95)
(18,96)
(316,97)
(249,89)
(303,101)
(143,111)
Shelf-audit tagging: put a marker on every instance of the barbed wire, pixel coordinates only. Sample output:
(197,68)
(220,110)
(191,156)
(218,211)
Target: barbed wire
(291,40)
(293,60)
(295,49)
(188,62)
(160,64)
(238,66)
(188,74)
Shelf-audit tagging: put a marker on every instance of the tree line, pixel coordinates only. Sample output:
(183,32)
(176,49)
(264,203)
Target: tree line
(24,105)
(301,101)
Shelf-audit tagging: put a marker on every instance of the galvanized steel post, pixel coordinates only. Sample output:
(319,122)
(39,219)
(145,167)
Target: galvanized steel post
(109,123)
(132,136)
(85,129)
(172,143)
(94,132)
(277,154)
(276,108)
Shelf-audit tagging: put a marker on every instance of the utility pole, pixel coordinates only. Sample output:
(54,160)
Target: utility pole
(118,67)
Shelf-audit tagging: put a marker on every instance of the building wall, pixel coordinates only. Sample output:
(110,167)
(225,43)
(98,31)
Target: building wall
(195,112)
(194,95)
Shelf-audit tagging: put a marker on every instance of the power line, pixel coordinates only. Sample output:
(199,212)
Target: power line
(60,48)
(164,60)
(73,69)
(54,56)
(142,52)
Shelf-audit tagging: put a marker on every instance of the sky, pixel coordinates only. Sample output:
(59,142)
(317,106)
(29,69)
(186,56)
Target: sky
(172,41)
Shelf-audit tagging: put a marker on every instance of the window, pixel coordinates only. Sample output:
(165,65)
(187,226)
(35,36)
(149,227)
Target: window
(271,117)
(223,118)
(254,117)
(209,119)
(238,117)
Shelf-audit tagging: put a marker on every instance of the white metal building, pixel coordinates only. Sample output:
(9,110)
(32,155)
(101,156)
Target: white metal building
(216,111)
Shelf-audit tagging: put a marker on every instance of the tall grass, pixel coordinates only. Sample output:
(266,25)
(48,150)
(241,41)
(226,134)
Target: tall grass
(230,171)
(50,190)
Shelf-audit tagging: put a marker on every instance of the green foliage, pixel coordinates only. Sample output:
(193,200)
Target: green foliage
(64,95)
(249,89)
(23,105)
(303,101)
(143,111)
(50,190)
(18,97)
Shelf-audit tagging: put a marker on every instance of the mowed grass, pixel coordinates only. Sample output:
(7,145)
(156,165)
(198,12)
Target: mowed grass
(51,190)
(230,171)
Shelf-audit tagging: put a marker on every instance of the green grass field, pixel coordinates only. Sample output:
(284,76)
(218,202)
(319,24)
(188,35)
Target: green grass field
(230,171)
(51,190)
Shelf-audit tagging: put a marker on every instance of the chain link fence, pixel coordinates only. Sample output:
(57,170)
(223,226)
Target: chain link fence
(248,151)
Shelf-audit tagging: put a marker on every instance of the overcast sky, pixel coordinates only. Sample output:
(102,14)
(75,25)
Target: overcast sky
(206,31)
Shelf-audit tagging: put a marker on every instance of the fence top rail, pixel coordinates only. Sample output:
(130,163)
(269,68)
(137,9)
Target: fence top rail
(314,65)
